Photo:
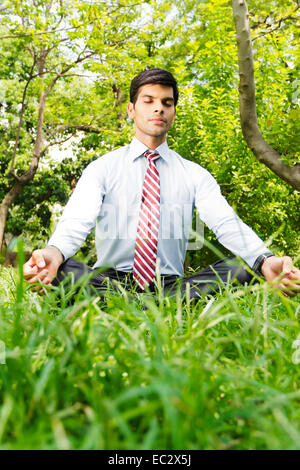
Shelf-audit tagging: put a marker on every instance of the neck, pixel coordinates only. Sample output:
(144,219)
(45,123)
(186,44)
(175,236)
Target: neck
(151,142)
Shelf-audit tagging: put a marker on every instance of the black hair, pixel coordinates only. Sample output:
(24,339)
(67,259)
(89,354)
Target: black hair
(153,76)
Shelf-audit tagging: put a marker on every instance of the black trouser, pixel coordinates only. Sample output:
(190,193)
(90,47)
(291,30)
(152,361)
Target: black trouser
(204,282)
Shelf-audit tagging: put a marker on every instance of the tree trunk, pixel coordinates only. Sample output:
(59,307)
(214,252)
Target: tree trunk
(24,179)
(118,93)
(8,200)
(263,152)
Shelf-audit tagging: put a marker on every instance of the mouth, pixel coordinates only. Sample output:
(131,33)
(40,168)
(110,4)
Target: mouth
(158,121)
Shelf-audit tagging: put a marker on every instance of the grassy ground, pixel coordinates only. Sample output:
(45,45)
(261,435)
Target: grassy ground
(138,374)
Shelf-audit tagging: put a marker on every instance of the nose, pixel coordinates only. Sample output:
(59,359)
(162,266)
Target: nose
(158,108)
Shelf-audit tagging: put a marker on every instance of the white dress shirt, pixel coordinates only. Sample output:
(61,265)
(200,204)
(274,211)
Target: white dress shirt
(108,196)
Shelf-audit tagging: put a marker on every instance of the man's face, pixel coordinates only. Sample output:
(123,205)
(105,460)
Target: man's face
(154,111)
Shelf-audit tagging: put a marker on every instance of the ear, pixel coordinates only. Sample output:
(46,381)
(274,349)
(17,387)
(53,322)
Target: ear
(130,110)
(174,116)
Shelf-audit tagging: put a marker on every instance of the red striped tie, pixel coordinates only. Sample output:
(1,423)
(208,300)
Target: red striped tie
(148,225)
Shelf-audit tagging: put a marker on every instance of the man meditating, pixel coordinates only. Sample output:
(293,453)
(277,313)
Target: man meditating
(141,199)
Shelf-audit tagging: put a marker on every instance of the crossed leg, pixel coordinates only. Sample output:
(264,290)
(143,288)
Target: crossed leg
(204,282)
(209,280)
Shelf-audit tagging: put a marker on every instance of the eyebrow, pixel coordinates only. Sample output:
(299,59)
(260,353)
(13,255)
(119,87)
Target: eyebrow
(168,98)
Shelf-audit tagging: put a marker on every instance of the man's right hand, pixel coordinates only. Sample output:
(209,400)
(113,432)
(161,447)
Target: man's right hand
(43,265)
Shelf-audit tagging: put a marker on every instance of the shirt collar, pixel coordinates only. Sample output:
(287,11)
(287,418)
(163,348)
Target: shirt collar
(137,149)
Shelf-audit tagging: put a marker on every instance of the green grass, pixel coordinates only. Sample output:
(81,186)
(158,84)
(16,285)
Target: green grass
(146,374)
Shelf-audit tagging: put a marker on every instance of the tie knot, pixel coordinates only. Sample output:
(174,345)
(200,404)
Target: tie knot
(151,155)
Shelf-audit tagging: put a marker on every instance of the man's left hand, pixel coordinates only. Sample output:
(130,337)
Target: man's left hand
(282,273)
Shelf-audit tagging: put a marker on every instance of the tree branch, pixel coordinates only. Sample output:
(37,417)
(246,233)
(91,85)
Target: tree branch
(40,33)
(22,111)
(57,142)
(276,25)
(66,69)
(82,127)
(263,152)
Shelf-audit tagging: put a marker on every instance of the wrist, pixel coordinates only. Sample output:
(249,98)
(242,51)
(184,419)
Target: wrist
(259,262)
(264,265)
(58,254)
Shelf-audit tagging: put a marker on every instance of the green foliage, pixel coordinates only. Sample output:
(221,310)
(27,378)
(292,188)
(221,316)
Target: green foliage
(66,51)
(194,40)
(207,129)
(259,197)
(135,373)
